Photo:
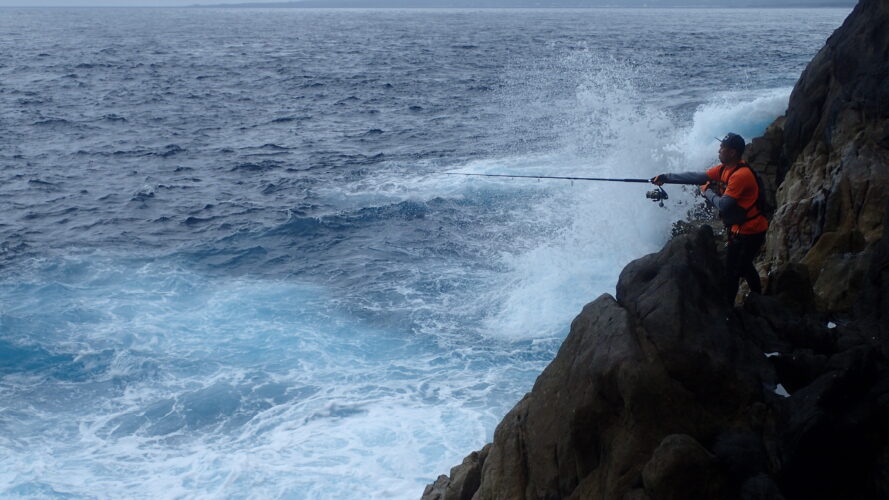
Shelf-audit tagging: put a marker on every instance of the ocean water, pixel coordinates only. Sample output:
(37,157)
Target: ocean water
(232,264)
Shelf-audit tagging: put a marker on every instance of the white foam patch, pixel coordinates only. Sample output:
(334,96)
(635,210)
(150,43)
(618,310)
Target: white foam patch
(209,388)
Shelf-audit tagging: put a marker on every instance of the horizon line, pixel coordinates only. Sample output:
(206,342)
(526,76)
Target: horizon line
(296,5)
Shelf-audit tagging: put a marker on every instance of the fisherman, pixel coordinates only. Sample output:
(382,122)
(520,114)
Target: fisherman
(733,189)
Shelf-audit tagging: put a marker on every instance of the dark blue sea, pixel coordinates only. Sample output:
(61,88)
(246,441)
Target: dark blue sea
(233,264)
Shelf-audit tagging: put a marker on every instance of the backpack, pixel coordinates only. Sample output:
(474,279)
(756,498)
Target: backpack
(762,203)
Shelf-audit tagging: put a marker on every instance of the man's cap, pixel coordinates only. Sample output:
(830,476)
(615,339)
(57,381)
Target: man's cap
(733,141)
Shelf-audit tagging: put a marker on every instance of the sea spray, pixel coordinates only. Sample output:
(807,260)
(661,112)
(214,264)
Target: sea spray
(594,228)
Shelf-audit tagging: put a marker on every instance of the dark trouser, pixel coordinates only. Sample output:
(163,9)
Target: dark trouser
(741,251)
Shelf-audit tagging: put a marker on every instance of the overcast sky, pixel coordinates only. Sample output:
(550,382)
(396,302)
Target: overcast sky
(419,3)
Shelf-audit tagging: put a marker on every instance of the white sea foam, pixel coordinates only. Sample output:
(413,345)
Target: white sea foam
(181,385)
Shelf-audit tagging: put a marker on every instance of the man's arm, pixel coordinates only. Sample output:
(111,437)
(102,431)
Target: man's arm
(729,210)
(725,204)
(681,178)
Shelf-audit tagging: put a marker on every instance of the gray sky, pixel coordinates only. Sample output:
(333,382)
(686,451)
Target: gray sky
(419,3)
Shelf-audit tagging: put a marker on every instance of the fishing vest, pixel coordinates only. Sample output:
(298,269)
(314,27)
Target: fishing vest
(746,189)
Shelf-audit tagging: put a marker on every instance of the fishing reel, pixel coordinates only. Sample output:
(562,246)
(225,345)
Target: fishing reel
(657,195)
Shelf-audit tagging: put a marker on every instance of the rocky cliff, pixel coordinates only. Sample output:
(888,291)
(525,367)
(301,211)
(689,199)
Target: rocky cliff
(663,392)
(832,161)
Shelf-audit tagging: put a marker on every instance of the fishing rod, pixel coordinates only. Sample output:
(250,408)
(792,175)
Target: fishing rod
(605,179)
(656,195)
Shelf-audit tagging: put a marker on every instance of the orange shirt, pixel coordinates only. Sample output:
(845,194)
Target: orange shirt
(742,187)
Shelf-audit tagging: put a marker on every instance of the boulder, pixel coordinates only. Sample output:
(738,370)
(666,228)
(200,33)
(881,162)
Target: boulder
(463,481)
(665,392)
(833,434)
(665,357)
(438,489)
(765,154)
(681,469)
(790,283)
(840,281)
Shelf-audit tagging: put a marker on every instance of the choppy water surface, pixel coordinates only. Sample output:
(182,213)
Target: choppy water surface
(231,265)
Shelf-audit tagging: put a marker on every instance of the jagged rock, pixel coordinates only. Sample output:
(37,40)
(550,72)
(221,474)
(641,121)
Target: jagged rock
(777,328)
(840,281)
(846,78)
(437,490)
(791,284)
(675,294)
(681,469)
(799,368)
(836,153)
(558,434)
(831,244)
(463,481)
(765,154)
(663,358)
(664,392)
(760,487)
(637,494)
(835,432)
(741,453)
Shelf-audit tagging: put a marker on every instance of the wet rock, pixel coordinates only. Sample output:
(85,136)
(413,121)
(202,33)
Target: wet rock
(741,453)
(680,468)
(664,392)
(837,179)
(799,368)
(437,490)
(774,327)
(760,487)
(463,481)
(467,476)
(790,283)
(840,281)
(834,432)
(665,357)
(765,154)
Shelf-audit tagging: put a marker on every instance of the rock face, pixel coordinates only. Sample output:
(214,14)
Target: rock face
(622,387)
(833,162)
(664,392)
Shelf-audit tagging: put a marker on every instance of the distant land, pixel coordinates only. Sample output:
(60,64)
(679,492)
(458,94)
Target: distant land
(534,4)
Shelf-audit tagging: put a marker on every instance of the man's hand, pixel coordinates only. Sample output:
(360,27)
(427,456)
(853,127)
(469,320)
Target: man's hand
(710,194)
(658,180)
